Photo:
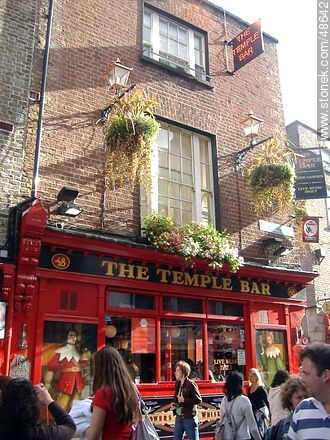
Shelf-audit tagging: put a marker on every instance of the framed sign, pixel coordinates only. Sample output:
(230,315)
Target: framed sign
(2,319)
(310,229)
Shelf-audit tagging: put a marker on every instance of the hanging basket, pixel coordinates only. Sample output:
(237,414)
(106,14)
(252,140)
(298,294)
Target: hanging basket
(129,132)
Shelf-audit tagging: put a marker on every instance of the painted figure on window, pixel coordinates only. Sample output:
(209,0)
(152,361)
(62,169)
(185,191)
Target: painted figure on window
(270,357)
(67,371)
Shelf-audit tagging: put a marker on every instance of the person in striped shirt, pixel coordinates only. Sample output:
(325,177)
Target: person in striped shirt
(311,419)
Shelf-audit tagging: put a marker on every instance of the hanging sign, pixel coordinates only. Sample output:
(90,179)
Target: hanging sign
(310,229)
(247,45)
(310,181)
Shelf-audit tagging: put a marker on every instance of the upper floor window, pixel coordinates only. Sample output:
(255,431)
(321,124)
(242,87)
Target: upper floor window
(174,44)
(182,182)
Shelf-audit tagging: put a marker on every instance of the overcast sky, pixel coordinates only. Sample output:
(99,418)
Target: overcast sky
(293,23)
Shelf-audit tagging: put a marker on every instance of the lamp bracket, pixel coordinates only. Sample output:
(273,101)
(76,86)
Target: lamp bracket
(107,110)
(242,153)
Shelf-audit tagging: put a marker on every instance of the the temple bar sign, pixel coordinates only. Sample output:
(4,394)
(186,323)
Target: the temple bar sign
(247,45)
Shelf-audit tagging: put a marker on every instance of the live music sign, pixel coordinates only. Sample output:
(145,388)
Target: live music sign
(247,45)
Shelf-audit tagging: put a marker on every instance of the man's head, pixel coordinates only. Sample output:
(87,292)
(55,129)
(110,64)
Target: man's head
(315,370)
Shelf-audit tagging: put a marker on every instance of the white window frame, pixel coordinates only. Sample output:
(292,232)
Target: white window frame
(153,198)
(154,45)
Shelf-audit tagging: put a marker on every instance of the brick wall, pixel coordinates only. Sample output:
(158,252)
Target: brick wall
(87,37)
(305,137)
(17,32)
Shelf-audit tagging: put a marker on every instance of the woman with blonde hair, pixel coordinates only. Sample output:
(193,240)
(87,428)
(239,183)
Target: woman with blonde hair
(115,400)
(259,399)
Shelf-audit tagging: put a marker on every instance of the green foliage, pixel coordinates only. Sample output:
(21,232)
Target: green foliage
(191,241)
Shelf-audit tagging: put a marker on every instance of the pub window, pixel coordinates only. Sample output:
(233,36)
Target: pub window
(181,340)
(185,305)
(68,347)
(123,300)
(226,309)
(182,185)
(134,338)
(226,350)
(174,44)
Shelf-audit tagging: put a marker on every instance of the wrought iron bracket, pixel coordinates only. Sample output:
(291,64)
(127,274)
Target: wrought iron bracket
(242,153)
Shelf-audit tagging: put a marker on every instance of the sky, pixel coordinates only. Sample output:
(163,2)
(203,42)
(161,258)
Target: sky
(293,23)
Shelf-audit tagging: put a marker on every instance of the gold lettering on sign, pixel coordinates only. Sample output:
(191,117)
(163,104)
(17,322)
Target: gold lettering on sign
(142,273)
(110,265)
(191,280)
(226,284)
(164,273)
(177,277)
(126,270)
(245,288)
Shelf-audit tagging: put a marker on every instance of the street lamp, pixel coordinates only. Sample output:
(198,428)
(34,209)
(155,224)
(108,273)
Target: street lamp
(118,80)
(251,126)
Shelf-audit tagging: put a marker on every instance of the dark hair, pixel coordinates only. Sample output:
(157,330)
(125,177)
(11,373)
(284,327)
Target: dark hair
(19,409)
(319,354)
(293,384)
(184,367)
(3,383)
(280,377)
(233,385)
(111,371)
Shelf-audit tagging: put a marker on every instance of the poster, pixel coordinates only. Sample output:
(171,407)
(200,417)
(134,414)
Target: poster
(271,353)
(143,335)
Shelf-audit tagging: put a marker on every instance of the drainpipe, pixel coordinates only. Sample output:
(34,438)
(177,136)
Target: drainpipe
(41,102)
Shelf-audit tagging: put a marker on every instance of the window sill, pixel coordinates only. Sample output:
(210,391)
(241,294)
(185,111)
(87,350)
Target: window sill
(177,72)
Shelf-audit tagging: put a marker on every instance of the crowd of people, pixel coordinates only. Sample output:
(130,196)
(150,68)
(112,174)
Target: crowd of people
(297,407)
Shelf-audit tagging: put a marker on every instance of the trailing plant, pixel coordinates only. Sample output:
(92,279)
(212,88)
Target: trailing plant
(191,241)
(271,178)
(129,131)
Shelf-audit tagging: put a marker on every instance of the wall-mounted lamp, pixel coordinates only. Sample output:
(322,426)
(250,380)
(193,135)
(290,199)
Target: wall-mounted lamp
(251,126)
(66,205)
(118,80)
(275,245)
(319,255)
(110,329)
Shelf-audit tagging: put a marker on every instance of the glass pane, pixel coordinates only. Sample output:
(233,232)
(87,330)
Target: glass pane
(146,35)
(174,141)
(186,145)
(226,349)
(181,340)
(187,166)
(134,338)
(203,150)
(271,353)
(226,309)
(163,158)
(197,42)
(175,304)
(163,187)
(131,301)
(205,177)
(173,47)
(183,36)
(163,172)
(186,193)
(186,217)
(175,190)
(187,206)
(174,213)
(183,52)
(175,163)
(162,139)
(176,176)
(163,27)
(68,345)
(163,201)
(173,32)
(187,179)
(163,42)
(206,207)
(147,19)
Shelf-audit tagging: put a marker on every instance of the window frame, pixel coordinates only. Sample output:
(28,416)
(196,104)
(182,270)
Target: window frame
(154,45)
(151,201)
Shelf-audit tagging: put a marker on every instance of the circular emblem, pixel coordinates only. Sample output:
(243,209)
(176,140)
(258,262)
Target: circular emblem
(310,228)
(326,307)
(60,261)
(143,323)
(292,291)
(304,340)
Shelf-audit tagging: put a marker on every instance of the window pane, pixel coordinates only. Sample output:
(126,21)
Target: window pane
(226,309)
(174,141)
(131,301)
(163,27)
(175,190)
(175,304)
(163,172)
(183,36)
(186,193)
(163,187)
(226,349)
(183,52)
(162,139)
(176,176)
(173,47)
(206,208)
(163,42)
(163,158)
(173,32)
(134,338)
(77,343)
(203,150)
(174,213)
(181,340)
(205,177)
(187,166)
(187,217)
(147,35)
(175,163)
(186,145)
(187,179)
(147,19)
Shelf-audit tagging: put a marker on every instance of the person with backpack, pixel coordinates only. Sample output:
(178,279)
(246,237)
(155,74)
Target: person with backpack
(259,399)
(237,421)
(292,393)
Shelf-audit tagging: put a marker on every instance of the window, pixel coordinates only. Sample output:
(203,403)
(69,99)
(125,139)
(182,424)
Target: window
(184,305)
(225,309)
(131,301)
(182,185)
(169,42)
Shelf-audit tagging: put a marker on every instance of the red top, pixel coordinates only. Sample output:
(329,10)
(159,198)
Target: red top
(112,429)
